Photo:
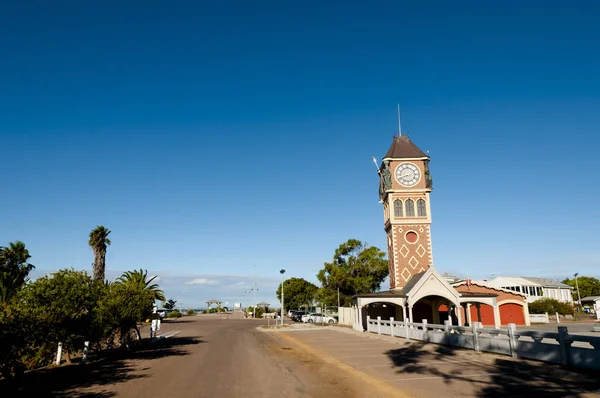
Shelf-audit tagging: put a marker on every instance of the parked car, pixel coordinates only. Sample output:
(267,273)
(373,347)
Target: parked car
(304,318)
(297,315)
(321,318)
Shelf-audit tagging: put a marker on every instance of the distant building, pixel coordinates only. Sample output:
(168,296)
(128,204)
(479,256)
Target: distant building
(535,288)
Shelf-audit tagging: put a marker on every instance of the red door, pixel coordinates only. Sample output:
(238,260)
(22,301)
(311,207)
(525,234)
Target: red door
(487,314)
(511,313)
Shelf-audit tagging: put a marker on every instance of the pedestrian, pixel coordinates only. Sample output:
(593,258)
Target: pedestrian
(155,325)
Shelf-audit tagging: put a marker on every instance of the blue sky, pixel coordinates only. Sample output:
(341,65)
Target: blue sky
(223,140)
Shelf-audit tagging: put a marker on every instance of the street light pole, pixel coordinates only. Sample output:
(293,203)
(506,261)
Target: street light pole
(577,284)
(282,271)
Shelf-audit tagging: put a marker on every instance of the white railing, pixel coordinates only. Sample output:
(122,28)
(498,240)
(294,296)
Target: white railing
(561,347)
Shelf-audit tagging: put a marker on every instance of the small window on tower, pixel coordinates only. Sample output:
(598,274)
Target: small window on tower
(410,208)
(397,208)
(421,210)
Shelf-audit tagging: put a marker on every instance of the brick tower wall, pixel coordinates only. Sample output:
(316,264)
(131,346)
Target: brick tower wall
(411,252)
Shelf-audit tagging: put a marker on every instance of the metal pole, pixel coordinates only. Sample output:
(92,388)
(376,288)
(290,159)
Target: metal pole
(282,271)
(338,297)
(578,295)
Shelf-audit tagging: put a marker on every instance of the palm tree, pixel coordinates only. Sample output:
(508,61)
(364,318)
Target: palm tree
(98,242)
(140,280)
(14,269)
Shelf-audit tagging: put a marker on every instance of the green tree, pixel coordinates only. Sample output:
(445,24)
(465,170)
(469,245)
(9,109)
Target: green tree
(98,242)
(259,311)
(169,305)
(62,306)
(14,329)
(121,308)
(14,270)
(297,292)
(588,286)
(139,279)
(356,268)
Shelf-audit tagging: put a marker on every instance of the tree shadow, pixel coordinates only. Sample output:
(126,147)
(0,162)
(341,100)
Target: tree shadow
(499,377)
(107,368)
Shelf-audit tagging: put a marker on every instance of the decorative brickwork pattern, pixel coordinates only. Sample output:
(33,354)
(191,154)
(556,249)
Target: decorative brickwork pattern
(391,260)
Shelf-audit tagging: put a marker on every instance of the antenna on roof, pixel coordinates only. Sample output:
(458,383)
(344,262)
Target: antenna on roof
(399,125)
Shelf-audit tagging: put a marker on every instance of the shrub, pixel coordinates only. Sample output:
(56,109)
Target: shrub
(551,306)
(174,314)
(191,312)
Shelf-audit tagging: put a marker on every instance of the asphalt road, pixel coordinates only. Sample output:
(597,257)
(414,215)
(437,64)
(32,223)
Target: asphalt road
(206,356)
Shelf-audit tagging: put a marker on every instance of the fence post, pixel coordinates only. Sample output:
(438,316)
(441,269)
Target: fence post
(547,318)
(378,325)
(565,344)
(512,340)
(392,326)
(425,331)
(85,352)
(406,329)
(557,318)
(59,354)
(447,324)
(476,337)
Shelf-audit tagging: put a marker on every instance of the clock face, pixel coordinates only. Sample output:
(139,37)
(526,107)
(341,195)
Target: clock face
(408,174)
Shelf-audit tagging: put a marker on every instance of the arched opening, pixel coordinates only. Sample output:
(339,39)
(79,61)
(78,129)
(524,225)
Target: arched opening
(385,310)
(410,208)
(435,309)
(421,208)
(397,208)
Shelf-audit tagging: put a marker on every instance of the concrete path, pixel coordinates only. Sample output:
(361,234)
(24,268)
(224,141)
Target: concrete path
(428,370)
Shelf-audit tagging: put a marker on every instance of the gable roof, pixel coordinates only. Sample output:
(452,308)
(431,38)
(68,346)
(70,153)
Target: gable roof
(486,285)
(547,282)
(591,298)
(403,148)
(429,283)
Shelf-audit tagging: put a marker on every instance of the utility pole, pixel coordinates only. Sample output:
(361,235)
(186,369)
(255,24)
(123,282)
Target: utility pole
(282,271)
(577,284)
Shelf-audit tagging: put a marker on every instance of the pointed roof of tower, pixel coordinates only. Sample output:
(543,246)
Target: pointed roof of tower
(403,148)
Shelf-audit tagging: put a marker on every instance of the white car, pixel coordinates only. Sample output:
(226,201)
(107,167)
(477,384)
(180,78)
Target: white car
(305,317)
(320,318)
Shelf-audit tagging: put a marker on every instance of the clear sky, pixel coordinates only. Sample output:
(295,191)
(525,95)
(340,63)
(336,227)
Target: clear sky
(212,137)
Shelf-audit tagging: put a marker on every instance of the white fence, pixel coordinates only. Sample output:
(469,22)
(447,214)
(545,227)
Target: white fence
(539,318)
(543,346)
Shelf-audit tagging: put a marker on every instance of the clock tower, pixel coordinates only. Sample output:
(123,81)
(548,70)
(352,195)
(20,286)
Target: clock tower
(405,185)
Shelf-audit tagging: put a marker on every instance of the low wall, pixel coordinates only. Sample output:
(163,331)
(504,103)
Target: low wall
(539,318)
(561,347)
(346,316)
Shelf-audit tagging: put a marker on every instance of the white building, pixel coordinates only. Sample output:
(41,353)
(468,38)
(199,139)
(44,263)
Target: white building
(535,288)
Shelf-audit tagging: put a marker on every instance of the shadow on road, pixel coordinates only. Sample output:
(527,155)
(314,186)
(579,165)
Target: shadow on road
(112,367)
(506,377)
